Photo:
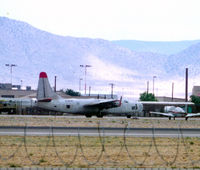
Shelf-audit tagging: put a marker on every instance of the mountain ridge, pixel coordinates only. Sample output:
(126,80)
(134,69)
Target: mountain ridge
(34,50)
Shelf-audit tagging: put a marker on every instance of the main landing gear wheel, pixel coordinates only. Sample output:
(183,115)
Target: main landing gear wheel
(88,115)
(99,115)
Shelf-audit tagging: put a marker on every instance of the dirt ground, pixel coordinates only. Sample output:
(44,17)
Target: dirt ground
(94,122)
(84,152)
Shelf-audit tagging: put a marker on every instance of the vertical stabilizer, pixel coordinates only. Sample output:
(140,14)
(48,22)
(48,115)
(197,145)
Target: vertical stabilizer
(44,91)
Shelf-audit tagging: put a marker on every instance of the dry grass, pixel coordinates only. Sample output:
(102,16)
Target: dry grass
(83,152)
(20,151)
(93,122)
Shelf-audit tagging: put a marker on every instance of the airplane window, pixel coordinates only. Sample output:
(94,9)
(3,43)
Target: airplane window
(68,106)
(55,106)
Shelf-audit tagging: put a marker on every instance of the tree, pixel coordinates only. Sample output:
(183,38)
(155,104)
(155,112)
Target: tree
(72,92)
(147,97)
(195,99)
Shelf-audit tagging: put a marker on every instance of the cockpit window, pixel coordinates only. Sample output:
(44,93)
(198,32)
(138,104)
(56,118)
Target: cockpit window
(135,107)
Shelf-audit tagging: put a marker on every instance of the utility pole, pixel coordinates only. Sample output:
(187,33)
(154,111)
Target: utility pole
(85,66)
(153,83)
(111,90)
(11,66)
(89,90)
(80,79)
(147,87)
(55,84)
(186,84)
(172,92)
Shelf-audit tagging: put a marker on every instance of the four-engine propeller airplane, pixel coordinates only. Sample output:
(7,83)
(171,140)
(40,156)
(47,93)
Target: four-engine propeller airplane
(48,99)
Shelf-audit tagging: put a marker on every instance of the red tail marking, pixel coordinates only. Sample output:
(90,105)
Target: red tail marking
(43,75)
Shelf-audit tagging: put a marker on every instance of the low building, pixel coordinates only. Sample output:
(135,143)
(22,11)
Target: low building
(196,90)
(169,99)
(16,93)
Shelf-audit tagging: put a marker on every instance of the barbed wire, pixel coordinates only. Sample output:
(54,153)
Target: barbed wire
(158,152)
(58,155)
(26,148)
(127,144)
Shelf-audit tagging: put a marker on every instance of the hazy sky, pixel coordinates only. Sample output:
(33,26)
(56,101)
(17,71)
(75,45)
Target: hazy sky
(155,20)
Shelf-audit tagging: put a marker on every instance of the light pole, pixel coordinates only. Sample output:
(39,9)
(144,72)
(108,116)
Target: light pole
(21,83)
(55,78)
(147,87)
(172,91)
(89,90)
(153,83)
(85,66)
(80,84)
(11,66)
(111,90)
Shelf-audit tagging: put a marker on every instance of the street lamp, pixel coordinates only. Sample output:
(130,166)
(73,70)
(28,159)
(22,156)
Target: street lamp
(11,66)
(153,83)
(172,91)
(85,66)
(80,84)
(111,90)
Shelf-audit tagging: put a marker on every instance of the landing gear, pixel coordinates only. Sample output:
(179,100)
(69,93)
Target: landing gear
(88,115)
(128,116)
(186,118)
(99,115)
(171,117)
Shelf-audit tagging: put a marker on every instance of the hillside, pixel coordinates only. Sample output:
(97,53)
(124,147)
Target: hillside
(34,50)
(166,48)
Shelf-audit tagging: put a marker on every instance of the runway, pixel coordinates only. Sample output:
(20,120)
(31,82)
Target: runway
(94,131)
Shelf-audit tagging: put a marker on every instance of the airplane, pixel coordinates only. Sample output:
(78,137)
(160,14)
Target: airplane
(173,112)
(48,99)
(14,105)
(127,109)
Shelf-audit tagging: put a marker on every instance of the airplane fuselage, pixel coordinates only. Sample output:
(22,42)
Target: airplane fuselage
(75,106)
(69,106)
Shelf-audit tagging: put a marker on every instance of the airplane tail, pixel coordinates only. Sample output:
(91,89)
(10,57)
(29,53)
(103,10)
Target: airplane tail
(44,91)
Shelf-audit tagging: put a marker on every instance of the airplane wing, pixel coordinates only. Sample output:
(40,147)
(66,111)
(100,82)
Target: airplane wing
(164,114)
(192,115)
(105,104)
